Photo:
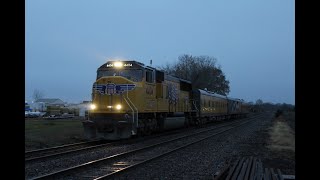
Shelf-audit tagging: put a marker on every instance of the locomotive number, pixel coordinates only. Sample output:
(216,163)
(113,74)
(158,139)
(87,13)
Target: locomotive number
(127,65)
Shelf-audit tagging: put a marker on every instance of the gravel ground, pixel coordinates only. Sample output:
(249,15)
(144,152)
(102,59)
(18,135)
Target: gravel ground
(139,156)
(44,167)
(203,159)
(199,161)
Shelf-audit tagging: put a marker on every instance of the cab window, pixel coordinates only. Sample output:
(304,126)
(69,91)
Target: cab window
(149,76)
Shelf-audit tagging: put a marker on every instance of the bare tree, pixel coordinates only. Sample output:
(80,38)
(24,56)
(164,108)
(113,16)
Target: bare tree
(37,94)
(259,102)
(167,68)
(258,105)
(201,71)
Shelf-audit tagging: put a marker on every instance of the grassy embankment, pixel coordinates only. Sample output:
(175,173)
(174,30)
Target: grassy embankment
(47,133)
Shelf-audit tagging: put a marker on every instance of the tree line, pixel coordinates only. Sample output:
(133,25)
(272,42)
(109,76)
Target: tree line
(202,71)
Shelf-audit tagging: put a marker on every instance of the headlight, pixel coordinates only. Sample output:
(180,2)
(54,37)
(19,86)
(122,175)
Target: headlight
(117,64)
(118,107)
(92,106)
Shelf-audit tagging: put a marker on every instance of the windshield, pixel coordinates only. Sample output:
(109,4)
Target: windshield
(131,74)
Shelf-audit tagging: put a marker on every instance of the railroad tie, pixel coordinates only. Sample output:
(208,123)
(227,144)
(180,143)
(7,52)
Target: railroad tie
(249,168)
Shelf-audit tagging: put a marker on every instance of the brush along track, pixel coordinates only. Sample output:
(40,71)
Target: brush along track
(115,164)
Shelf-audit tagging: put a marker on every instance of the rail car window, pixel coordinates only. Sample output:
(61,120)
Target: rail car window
(131,74)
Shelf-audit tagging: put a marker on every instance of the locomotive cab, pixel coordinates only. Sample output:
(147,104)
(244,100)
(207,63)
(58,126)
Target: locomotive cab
(129,98)
(114,109)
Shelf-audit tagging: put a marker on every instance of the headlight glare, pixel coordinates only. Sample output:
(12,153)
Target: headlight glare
(93,106)
(118,107)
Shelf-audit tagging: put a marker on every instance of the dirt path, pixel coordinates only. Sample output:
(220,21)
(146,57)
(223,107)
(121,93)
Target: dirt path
(281,144)
(282,136)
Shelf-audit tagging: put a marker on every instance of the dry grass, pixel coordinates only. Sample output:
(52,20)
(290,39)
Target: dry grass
(282,136)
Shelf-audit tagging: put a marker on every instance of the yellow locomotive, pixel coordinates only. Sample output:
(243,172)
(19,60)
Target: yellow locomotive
(129,98)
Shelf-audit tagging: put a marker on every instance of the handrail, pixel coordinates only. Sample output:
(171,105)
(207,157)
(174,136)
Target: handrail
(131,109)
(133,105)
(193,102)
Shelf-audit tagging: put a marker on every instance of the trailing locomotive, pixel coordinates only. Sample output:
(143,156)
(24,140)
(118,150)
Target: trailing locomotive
(129,98)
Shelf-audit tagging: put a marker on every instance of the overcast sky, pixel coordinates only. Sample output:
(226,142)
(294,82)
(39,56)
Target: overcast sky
(253,41)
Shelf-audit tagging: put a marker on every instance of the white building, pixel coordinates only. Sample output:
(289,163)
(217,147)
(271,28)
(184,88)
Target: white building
(42,104)
(83,107)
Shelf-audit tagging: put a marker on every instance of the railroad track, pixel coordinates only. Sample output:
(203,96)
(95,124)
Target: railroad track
(48,153)
(115,164)
(41,154)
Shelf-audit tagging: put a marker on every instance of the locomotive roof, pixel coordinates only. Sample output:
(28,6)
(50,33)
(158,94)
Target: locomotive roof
(176,79)
(139,64)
